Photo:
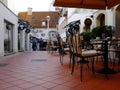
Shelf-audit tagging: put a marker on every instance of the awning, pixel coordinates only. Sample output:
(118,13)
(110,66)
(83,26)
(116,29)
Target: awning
(88,4)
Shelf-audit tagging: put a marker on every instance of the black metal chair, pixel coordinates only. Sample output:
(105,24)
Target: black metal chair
(114,51)
(76,49)
(62,50)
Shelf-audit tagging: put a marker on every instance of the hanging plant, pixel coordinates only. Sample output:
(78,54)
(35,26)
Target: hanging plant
(27,30)
(8,27)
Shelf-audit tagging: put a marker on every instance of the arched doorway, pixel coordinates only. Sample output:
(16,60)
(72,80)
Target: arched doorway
(117,22)
(101,19)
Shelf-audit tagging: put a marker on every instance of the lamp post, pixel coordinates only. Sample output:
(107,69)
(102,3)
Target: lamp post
(48,20)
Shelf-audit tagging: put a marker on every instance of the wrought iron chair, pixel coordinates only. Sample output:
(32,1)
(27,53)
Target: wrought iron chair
(114,51)
(54,45)
(76,50)
(62,49)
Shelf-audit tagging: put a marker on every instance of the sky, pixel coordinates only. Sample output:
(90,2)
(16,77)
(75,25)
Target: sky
(23,5)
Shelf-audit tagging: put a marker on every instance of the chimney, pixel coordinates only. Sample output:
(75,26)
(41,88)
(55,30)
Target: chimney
(29,11)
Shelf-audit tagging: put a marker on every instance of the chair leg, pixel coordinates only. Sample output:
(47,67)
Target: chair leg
(96,59)
(113,63)
(61,59)
(93,71)
(70,60)
(81,68)
(113,58)
(73,63)
(87,63)
(109,57)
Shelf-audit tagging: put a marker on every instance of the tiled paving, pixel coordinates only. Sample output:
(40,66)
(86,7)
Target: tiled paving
(40,70)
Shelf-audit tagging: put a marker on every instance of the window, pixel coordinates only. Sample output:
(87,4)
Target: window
(33,17)
(43,23)
(36,21)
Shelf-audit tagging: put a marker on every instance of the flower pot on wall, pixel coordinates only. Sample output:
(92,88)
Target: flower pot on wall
(88,23)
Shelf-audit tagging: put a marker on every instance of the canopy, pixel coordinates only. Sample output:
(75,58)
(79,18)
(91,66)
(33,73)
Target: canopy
(88,4)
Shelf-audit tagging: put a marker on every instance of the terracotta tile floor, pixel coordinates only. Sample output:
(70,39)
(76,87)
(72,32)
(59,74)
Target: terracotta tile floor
(42,71)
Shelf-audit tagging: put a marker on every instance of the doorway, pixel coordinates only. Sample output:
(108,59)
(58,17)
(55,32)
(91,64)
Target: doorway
(101,19)
(8,38)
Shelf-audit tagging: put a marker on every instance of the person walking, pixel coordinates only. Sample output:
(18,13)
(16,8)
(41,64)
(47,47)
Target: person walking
(40,44)
(34,45)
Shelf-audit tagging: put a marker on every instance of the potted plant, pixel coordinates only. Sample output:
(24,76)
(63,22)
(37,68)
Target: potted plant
(86,39)
(102,32)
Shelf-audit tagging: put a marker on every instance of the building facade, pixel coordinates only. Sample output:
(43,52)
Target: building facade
(44,23)
(8,30)
(109,17)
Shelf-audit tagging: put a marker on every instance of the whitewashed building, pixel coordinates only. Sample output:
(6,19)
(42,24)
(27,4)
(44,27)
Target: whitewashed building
(8,30)
(98,17)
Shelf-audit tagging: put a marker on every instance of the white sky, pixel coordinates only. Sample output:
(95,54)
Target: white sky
(36,5)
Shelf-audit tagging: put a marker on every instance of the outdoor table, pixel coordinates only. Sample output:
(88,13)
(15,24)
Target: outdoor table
(105,69)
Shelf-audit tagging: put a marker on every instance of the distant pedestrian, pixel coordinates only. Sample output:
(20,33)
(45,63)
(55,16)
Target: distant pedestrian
(40,44)
(34,46)
(48,46)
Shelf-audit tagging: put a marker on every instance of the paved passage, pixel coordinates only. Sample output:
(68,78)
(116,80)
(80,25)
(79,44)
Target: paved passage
(39,70)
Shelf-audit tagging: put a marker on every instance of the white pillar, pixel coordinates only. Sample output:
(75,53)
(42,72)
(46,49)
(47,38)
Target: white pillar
(109,18)
(15,38)
(48,21)
(22,40)
(1,36)
(27,42)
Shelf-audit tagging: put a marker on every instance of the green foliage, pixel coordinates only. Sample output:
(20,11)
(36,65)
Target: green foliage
(96,32)
(99,30)
(86,36)
(110,31)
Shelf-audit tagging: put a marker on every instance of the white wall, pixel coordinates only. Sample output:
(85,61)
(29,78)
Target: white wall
(6,14)
(11,5)
(80,17)
(40,31)
(73,16)
(70,11)
(83,14)
(109,17)
(5,2)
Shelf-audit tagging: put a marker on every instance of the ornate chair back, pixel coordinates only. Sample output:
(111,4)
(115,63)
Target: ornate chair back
(77,47)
